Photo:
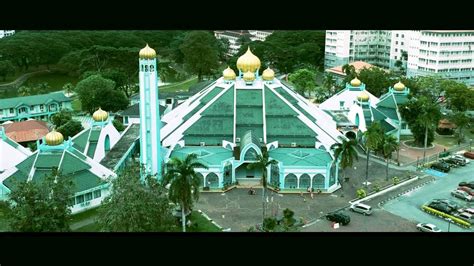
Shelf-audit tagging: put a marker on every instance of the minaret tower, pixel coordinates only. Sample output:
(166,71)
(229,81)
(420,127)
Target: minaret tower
(150,123)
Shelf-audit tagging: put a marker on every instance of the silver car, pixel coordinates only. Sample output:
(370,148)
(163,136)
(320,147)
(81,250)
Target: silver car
(425,227)
(361,208)
(462,195)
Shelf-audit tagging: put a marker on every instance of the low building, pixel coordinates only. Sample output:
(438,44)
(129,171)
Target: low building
(39,107)
(11,153)
(6,33)
(132,113)
(25,132)
(339,75)
(234,35)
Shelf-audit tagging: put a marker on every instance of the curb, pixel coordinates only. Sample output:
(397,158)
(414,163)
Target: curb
(210,220)
(380,204)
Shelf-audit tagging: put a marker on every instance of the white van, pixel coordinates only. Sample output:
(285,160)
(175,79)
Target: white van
(361,208)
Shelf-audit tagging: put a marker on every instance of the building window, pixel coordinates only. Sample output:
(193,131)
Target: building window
(80,199)
(396,50)
(12,111)
(341,104)
(42,107)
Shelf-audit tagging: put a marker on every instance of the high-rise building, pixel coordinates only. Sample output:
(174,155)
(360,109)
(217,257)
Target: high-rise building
(234,35)
(5,33)
(447,53)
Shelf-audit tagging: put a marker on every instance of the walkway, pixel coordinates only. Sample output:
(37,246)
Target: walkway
(21,79)
(120,149)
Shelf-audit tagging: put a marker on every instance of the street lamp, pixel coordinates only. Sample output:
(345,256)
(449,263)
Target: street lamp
(449,223)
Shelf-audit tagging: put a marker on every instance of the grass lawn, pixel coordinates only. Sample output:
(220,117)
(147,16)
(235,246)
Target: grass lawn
(203,225)
(180,86)
(83,215)
(55,81)
(93,227)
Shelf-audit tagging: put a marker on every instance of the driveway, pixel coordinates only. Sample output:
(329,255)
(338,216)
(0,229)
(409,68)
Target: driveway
(408,205)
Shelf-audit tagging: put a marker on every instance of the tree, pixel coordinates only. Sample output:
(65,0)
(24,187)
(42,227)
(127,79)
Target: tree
(61,118)
(373,137)
(461,120)
(350,72)
(24,91)
(41,206)
(199,49)
(459,96)
(68,88)
(6,68)
(286,224)
(184,183)
(304,80)
(376,80)
(399,64)
(135,206)
(262,163)
(345,153)
(389,145)
(223,46)
(70,129)
(96,91)
(118,125)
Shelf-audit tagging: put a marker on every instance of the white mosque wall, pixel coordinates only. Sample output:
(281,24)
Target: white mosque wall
(114,136)
(10,156)
(353,112)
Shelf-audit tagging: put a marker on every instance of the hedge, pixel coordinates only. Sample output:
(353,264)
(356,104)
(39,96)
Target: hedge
(442,214)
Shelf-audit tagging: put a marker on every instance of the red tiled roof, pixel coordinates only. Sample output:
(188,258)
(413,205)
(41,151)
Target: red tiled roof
(358,65)
(24,131)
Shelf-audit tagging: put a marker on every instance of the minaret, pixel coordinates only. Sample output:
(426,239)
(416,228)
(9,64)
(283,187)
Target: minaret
(150,123)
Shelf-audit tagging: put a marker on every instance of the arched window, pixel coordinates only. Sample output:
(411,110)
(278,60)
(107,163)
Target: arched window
(318,181)
(250,155)
(143,68)
(357,120)
(212,180)
(152,68)
(332,177)
(290,181)
(228,173)
(305,181)
(107,143)
(146,68)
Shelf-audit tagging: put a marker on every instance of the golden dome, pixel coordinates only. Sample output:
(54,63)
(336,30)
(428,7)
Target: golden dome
(228,74)
(147,53)
(249,76)
(268,74)
(248,62)
(54,138)
(363,96)
(399,86)
(100,115)
(355,82)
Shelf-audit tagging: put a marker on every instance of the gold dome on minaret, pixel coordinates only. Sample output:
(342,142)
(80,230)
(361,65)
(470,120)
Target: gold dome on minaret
(363,96)
(355,82)
(268,74)
(228,74)
(399,86)
(248,62)
(100,115)
(249,76)
(54,138)
(147,53)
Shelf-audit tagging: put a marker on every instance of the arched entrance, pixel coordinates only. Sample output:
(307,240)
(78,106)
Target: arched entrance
(305,181)
(201,179)
(291,181)
(212,180)
(107,143)
(228,173)
(351,135)
(318,181)
(275,175)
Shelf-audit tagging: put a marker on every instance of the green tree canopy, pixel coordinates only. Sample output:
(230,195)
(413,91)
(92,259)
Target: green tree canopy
(304,80)
(200,53)
(41,206)
(6,68)
(70,129)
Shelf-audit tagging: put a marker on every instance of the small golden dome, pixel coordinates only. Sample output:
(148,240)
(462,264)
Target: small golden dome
(363,96)
(228,74)
(100,115)
(399,86)
(147,53)
(355,82)
(249,76)
(248,62)
(54,138)
(268,74)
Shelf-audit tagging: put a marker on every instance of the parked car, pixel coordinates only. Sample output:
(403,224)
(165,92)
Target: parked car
(462,195)
(467,184)
(460,161)
(469,155)
(468,210)
(469,190)
(440,166)
(459,157)
(361,208)
(465,216)
(450,203)
(339,217)
(425,227)
(451,162)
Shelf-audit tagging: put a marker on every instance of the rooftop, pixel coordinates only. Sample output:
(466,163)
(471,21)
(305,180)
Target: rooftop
(122,146)
(30,130)
(33,100)
(358,65)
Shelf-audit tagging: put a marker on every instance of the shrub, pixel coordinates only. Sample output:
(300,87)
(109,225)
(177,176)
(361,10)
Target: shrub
(361,193)
(396,180)
(442,214)
(205,188)
(118,125)
(376,187)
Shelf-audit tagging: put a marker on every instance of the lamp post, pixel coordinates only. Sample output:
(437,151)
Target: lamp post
(449,223)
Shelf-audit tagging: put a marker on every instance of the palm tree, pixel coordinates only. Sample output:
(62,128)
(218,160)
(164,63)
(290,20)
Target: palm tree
(184,182)
(262,164)
(373,137)
(345,153)
(428,118)
(389,145)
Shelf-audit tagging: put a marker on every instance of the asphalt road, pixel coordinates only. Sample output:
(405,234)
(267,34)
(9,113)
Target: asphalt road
(408,205)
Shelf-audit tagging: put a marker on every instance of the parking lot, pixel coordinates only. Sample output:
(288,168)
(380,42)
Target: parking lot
(408,206)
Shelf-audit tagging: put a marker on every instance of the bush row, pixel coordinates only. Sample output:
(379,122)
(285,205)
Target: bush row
(444,215)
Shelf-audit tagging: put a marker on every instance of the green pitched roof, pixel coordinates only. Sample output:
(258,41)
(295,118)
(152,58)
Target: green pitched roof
(85,180)
(389,112)
(33,100)
(80,140)
(17,177)
(301,157)
(386,126)
(206,155)
(378,116)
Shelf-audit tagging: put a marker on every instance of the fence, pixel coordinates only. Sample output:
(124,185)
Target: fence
(435,157)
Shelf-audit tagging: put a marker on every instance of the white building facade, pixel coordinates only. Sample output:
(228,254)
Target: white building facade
(6,33)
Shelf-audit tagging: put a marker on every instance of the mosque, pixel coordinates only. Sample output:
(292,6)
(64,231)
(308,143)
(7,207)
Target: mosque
(226,124)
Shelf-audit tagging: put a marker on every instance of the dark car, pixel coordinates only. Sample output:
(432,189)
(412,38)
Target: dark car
(339,217)
(440,166)
(451,162)
(467,184)
(458,161)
